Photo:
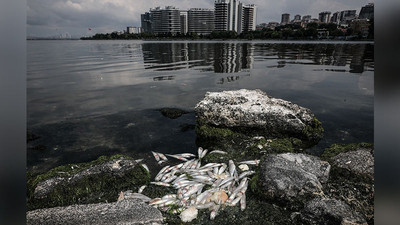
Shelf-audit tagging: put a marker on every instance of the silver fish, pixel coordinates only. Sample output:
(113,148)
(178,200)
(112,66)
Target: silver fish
(203,154)
(246,173)
(156,156)
(251,162)
(162,156)
(199,152)
(232,168)
(218,152)
(161,184)
(243,202)
(178,157)
(145,166)
(141,189)
(205,206)
(222,168)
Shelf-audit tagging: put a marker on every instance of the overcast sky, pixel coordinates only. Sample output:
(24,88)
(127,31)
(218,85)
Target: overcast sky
(55,17)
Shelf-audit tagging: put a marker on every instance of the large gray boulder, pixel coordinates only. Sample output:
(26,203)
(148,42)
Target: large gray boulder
(358,162)
(127,211)
(330,211)
(292,176)
(254,109)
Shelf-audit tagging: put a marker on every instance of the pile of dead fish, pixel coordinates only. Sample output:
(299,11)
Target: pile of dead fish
(210,186)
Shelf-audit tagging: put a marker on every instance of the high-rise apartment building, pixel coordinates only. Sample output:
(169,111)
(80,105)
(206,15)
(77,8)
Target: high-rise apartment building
(367,12)
(285,18)
(200,21)
(221,10)
(228,15)
(166,20)
(297,17)
(335,17)
(184,22)
(324,17)
(146,21)
(249,15)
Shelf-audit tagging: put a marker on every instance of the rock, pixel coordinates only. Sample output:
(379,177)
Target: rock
(172,113)
(116,167)
(359,162)
(189,214)
(253,110)
(92,182)
(290,176)
(128,211)
(330,211)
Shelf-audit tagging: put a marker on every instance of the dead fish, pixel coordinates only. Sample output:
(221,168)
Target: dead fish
(145,166)
(243,202)
(218,152)
(232,168)
(178,157)
(161,184)
(162,156)
(222,168)
(251,162)
(141,189)
(199,152)
(205,206)
(161,162)
(187,155)
(203,154)
(247,173)
(156,156)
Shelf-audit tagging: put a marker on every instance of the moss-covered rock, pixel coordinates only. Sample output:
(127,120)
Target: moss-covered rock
(98,181)
(336,149)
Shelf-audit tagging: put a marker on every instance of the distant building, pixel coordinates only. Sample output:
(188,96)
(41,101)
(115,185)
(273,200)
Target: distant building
(200,21)
(297,17)
(228,15)
(261,26)
(166,20)
(249,18)
(184,22)
(146,21)
(335,17)
(221,9)
(306,18)
(367,12)
(133,30)
(347,16)
(272,25)
(324,17)
(285,18)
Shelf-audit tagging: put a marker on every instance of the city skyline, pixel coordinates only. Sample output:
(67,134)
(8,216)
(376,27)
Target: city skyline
(73,18)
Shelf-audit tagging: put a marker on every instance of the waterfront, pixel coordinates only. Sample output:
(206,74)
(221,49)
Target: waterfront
(89,98)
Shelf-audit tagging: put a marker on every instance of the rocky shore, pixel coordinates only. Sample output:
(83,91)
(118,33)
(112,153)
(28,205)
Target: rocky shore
(289,186)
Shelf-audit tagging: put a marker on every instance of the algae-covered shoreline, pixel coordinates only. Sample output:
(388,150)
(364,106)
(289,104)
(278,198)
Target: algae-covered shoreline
(289,185)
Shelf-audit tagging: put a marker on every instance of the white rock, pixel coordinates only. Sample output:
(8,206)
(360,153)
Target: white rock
(189,214)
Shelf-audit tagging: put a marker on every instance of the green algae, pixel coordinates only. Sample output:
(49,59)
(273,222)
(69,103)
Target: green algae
(336,149)
(89,189)
(172,113)
(314,131)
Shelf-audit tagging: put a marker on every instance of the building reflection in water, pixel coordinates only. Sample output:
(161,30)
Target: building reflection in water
(217,57)
(228,57)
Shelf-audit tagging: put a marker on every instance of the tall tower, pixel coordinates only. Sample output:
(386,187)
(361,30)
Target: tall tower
(228,15)
(285,18)
(201,21)
(249,18)
(221,10)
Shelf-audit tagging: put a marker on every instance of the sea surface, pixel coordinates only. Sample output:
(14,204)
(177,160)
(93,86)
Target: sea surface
(91,98)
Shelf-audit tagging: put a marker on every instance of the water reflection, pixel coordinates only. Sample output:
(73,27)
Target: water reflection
(217,57)
(237,57)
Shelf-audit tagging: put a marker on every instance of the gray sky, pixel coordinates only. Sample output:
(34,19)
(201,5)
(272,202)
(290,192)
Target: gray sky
(74,17)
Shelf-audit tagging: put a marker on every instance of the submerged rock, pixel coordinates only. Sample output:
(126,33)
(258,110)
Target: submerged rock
(128,211)
(92,182)
(291,176)
(330,211)
(253,111)
(172,113)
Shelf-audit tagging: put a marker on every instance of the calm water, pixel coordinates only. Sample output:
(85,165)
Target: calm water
(90,98)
